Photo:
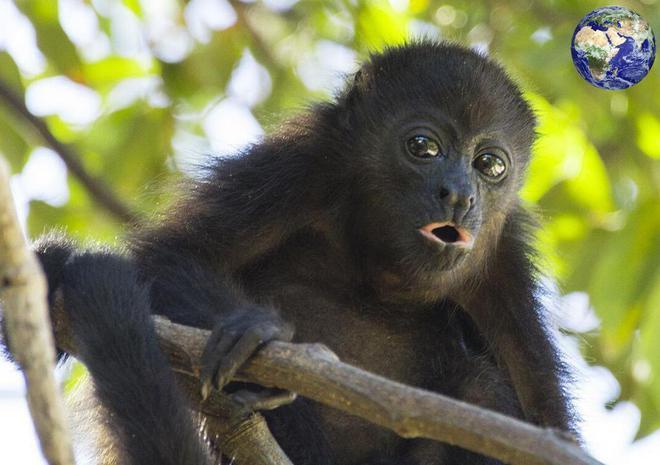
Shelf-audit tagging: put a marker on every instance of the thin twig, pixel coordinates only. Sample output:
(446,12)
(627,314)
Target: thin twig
(263,50)
(27,329)
(97,188)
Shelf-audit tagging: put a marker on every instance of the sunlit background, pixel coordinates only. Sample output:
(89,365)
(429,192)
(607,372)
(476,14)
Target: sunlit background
(144,89)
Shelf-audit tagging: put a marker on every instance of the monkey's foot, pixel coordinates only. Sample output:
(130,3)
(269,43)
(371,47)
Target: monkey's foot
(267,399)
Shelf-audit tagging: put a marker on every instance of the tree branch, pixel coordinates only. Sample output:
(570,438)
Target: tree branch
(314,372)
(27,330)
(239,433)
(258,43)
(97,188)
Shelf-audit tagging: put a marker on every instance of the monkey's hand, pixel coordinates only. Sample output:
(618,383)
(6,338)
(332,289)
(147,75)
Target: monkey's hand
(234,339)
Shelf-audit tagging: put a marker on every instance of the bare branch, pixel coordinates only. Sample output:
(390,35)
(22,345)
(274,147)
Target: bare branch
(27,328)
(96,187)
(314,372)
(258,43)
(240,434)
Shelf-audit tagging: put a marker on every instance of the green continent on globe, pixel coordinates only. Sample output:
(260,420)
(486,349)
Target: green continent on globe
(613,48)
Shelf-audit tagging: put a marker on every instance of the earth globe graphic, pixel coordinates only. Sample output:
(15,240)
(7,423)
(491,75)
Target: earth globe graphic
(613,48)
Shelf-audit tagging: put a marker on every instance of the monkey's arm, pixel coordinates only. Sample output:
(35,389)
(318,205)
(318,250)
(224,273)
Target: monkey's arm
(506,308)
(189,291)
(244,209)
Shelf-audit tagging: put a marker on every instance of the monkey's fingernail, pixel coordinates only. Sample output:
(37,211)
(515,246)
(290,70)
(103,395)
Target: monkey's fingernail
(205,390)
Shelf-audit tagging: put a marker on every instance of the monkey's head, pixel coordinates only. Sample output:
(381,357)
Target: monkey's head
(439,138)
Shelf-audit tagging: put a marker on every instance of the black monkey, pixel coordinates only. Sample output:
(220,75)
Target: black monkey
(385,224)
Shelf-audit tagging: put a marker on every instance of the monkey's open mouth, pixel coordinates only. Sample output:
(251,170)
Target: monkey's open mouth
(447,233)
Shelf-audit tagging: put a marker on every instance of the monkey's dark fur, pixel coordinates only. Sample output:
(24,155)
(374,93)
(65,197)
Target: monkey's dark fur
(317,229)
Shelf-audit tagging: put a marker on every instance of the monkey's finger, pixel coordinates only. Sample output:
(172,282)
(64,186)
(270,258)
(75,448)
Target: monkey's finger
(217,334)
(215,351)
(251,340)
(268,399)
(238,354)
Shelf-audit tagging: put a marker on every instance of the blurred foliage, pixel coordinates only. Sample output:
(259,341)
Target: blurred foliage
(160,68)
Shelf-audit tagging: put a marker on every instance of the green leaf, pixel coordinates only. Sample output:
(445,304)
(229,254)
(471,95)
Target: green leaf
(649,400)
(107,72)
(379,25)
(51,38)
(648,134)
(418,6)
(130,147)
(618,293)
(205,72)
(78,373)
(134,6)
(81,217)
(12,144)
(590,187)
(10,74)
(547,166)
(564,155)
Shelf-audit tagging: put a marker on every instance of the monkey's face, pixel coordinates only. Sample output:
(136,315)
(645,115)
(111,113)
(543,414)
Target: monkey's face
(439,150)
(431,197)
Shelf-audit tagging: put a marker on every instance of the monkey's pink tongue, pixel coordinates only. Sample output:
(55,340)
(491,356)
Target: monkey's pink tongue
(446,233)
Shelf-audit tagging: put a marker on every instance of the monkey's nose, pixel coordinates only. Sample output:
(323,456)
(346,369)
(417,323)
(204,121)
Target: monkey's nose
(457,200)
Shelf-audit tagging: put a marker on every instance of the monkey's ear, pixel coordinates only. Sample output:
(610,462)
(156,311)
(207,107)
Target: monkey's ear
(353,93)
(362,80)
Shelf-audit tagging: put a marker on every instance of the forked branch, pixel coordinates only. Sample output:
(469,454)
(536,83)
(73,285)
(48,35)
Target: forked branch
(313,371)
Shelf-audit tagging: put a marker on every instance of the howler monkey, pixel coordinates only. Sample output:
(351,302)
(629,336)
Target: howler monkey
(385,224)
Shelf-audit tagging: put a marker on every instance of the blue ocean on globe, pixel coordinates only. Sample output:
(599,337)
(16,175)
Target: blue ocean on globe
(613,48)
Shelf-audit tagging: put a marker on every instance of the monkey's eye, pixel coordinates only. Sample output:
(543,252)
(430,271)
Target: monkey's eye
(490,165)
(423,147)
